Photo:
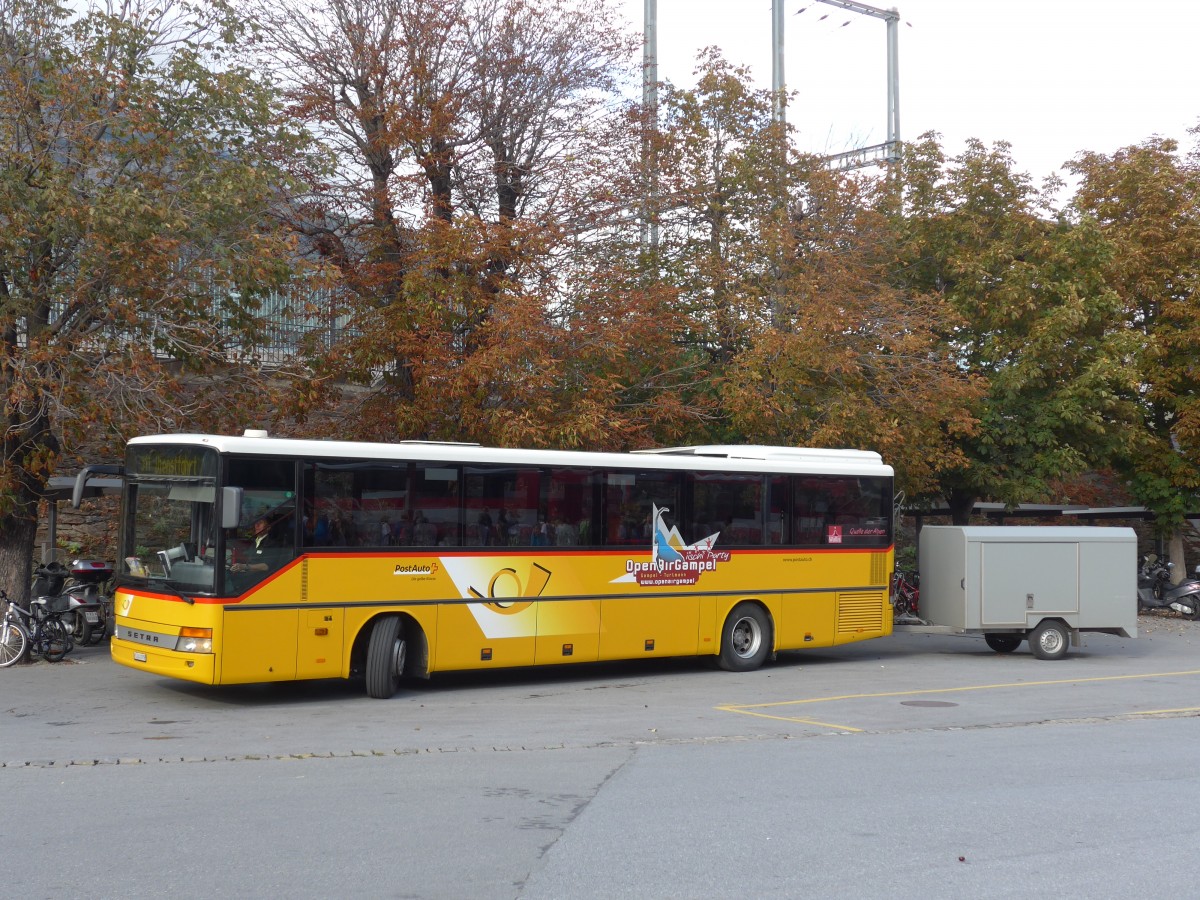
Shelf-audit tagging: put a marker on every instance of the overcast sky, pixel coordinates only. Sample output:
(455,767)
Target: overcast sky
(1051,77)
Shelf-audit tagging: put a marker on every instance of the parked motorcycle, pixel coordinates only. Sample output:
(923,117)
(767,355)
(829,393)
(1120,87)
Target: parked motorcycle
(86,615)
(1155,591)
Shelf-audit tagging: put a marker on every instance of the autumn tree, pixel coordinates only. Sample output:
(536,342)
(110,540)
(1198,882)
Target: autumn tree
(482,150)
(723,174)
(782,270)
(849,358)
(1145,199)
(135,245)
(1032,321)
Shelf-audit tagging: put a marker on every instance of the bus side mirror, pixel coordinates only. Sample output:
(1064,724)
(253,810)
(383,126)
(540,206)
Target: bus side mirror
(231,507)
(82,478)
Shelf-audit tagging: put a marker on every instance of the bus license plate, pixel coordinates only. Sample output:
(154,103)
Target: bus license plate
(139,656)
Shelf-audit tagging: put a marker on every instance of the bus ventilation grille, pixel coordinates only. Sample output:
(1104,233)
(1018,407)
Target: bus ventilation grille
(860,612)
(878,568)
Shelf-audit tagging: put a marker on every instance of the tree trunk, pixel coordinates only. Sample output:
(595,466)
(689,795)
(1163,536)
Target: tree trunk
(30,454)
(961,503)
(1177,556)
(18,533)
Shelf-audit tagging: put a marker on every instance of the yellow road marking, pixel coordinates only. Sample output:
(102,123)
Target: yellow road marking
(751,709)
(748,712)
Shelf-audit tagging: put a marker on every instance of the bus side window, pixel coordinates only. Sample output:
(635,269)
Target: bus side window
(570,504)
(332,492)
(434,498)
(268,520)
(630,501)
(728,505)
(424,532)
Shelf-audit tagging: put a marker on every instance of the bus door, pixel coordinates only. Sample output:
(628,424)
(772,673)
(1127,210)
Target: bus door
(258,640)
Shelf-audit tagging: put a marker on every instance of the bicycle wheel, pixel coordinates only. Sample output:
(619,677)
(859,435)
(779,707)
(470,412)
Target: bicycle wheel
(13,642)
(56,643)
(904,599)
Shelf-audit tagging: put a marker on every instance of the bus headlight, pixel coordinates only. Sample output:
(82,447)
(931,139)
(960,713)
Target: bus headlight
(194,640)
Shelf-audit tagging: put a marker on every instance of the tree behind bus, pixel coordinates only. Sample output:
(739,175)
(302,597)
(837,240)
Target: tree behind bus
(134,190)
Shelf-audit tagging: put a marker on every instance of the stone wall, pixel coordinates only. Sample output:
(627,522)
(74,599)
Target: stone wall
(89,532)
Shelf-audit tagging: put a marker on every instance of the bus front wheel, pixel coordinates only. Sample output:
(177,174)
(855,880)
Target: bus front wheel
(745,639)
(386,655)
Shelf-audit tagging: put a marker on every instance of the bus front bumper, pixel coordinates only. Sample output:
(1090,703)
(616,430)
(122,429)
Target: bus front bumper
(199,667)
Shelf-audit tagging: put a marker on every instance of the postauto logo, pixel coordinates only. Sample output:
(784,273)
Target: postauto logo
(416,569)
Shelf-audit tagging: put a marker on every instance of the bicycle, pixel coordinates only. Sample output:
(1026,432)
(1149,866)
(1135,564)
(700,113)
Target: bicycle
(906,595)
(13,637)
(37,631)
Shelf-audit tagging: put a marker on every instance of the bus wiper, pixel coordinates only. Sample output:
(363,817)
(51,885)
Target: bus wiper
(180,594)
(121,580)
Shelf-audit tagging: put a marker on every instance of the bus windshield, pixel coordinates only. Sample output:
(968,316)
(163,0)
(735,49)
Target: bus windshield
(171,538)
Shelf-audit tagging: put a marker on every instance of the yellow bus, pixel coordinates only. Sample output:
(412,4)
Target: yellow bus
(256,559)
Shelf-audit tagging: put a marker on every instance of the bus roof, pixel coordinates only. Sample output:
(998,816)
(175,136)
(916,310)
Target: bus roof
(716,458)
(766,452)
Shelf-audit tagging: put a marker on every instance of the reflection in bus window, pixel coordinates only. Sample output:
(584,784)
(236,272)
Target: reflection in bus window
(727,504)
(840,510)
(435,505)
(501,506)
(354,504)
(570,504)
(629,501)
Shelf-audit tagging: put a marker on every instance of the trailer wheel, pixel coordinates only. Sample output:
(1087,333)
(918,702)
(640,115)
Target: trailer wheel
(1002,643)
(745,638)
(386,656)
(1050,640)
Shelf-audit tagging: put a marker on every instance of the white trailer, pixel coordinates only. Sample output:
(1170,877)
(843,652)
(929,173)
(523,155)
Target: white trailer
(1044,584)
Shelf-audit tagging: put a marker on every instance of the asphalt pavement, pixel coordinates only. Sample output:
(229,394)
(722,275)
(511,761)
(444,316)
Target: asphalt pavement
(912,766)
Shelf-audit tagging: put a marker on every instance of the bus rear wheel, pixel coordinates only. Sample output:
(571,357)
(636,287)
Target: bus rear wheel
(386,655)
(745,638)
